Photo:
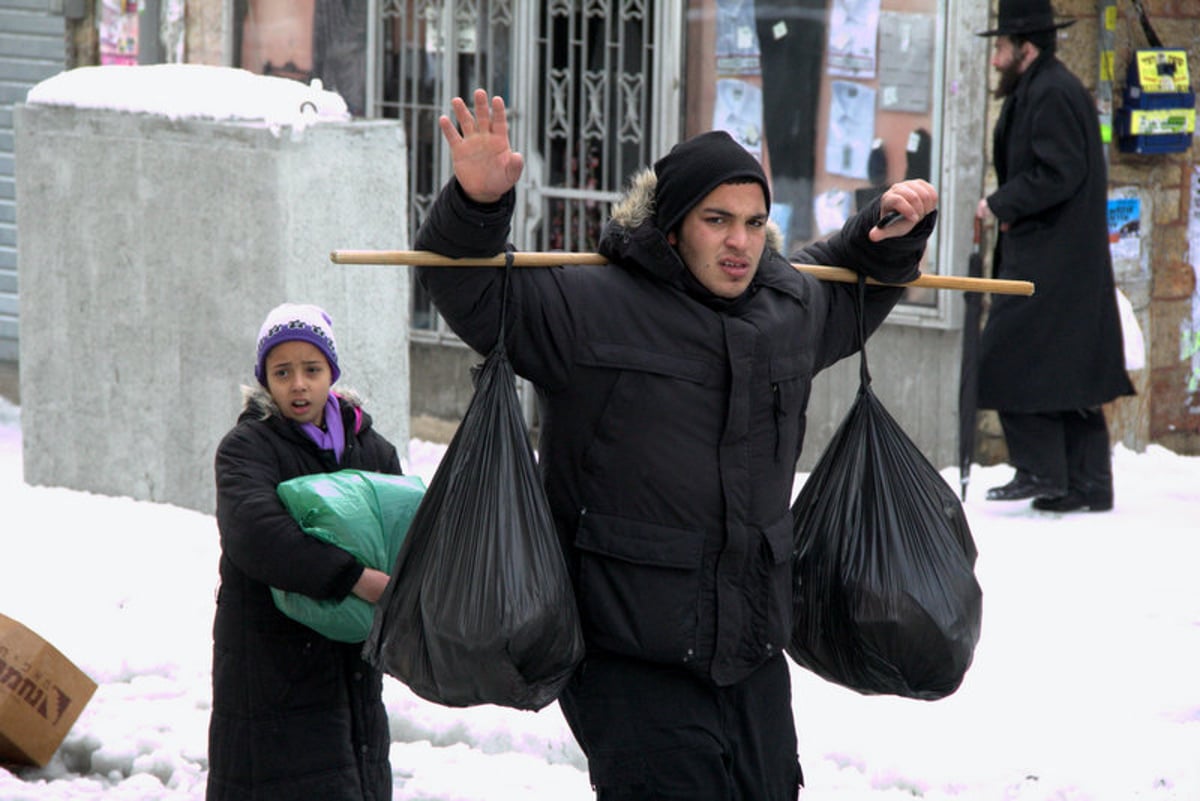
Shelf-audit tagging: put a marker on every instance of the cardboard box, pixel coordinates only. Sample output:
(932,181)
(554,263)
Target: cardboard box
(41,695)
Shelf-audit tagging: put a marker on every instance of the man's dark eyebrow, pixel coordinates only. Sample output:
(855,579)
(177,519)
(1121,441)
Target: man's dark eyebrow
(727,213)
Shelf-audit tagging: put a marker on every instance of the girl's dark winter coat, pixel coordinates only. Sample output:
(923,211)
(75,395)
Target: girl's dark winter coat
(671,419)
(295,715)
(1061,348)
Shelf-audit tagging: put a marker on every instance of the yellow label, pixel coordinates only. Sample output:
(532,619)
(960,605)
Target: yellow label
(1106,65)
(1162,121)
(1162,70)
(1110,18)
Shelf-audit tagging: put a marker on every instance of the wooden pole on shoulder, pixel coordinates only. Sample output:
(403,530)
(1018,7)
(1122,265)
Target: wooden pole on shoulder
(425,258)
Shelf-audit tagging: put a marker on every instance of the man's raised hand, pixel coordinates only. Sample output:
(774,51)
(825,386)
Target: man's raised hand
(484,163)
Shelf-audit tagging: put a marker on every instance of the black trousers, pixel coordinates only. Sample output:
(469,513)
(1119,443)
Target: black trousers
(659,733)
(1070,448)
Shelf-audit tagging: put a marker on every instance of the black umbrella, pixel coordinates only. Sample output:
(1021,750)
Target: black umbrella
(968,386)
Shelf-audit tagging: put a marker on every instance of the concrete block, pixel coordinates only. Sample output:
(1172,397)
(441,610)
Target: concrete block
(152,248)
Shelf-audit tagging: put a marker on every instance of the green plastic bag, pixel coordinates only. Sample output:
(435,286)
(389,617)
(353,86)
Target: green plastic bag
(360,511)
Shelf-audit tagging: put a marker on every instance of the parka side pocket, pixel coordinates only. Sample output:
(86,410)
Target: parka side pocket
(638,588)
(775,585)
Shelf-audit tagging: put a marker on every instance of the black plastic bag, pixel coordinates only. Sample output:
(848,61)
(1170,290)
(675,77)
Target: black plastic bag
(480,608)
(886,600)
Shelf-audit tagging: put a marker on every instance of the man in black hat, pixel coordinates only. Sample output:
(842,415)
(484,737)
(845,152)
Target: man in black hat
(1047,363)
(672,385)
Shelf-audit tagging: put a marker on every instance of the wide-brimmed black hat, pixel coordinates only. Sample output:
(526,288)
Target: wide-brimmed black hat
(1020,17)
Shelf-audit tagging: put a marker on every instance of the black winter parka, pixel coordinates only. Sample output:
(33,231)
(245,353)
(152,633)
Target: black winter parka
(1061,348)
(296,716)
(671,419)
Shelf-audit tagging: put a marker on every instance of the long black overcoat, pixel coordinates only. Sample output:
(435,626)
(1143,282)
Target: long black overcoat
(1062,348)
(671,419)
(296,716)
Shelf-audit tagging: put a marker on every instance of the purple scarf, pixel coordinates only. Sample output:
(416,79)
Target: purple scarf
(333,438)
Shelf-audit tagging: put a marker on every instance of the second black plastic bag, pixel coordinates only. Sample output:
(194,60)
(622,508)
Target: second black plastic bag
(886,600)
(480,608)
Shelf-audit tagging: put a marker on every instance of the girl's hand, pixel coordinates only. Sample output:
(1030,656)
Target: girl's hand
(370,585)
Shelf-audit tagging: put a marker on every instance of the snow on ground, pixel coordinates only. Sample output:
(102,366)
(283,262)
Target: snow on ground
(1084,686)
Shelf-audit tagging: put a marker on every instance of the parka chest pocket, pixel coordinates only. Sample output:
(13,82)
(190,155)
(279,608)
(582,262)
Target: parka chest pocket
(662,362)
(790,376)
(657,393)
(639,585)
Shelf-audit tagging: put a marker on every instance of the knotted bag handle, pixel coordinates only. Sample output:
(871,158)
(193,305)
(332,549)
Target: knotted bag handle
(504,293)
(860,300)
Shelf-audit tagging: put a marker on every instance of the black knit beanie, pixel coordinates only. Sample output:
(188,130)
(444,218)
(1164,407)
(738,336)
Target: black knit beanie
(696,167)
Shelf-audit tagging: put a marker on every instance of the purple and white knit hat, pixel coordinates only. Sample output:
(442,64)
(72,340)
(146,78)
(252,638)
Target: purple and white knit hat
(296,321)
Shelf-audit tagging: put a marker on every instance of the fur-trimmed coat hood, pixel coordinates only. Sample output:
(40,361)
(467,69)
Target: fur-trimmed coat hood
(631,234)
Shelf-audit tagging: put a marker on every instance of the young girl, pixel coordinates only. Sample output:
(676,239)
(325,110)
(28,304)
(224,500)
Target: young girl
(295,715)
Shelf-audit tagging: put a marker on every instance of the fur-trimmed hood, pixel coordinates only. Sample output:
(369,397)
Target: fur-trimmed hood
(257,401)
(631,239)
(636,208)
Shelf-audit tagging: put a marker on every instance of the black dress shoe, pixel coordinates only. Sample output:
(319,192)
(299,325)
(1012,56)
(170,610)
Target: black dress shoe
(1024,486)
(1074,502)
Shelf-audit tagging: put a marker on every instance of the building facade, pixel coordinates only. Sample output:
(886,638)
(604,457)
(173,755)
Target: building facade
(837,98)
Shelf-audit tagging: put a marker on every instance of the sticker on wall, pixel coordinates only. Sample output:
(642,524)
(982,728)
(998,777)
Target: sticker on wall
(1124,227)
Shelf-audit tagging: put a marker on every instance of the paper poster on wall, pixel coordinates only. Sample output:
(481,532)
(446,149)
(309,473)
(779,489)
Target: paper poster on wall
(905,68)
(1189,346)
(1124,228)
(118,32)
(851,129)
(736,48)
(174,30)
(853,25)
(739,110)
